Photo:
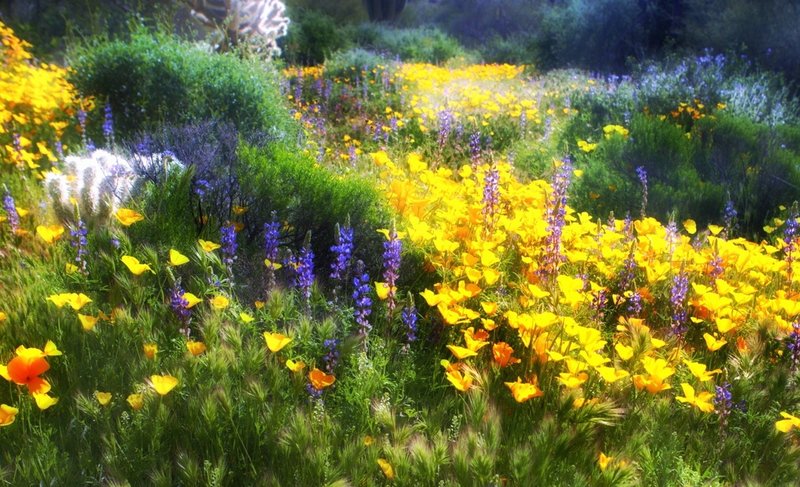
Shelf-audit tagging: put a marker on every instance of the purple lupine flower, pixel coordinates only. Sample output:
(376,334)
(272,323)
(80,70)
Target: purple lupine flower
(344,252)
(723,403)
(409,318)
(715,267)
(475,148)
(313,391)
(789,235)
(59,149)
(304,275)
(491,197)
(79,242)
(11,211)
(331,358)
(641,173)
(635,303)
(361,299)
(555,212)
(523,122)
(272,235)
(108,125)
(228,240)
(793,344)
(678,292)
(445,126)
(178,304)
(728,217)
(82,122)
(201,187)
(392,249)
(599,303)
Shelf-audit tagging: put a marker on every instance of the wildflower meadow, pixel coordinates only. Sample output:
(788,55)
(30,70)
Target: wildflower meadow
(257,247)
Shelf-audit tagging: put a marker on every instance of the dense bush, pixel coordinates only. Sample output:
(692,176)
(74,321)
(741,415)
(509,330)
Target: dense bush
(312,199)
(151,80)
(313,37)
(423,44)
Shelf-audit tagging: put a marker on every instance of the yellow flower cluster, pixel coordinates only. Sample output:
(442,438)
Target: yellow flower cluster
(37,104)
(476,93)
(490,284)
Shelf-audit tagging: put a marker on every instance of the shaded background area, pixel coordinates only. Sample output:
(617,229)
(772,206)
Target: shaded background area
(600,35)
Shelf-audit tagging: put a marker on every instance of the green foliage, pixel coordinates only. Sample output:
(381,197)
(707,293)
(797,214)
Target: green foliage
(593,35)
(313,37)
(423,44)
(311,198)
(154,79)
(348,63)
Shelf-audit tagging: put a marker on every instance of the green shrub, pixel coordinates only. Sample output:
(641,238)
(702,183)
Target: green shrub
(311,199)
(313,37)
(345,64)
(154,79)
(424,44)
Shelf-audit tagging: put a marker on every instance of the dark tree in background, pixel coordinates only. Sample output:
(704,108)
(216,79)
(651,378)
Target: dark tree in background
(384,10)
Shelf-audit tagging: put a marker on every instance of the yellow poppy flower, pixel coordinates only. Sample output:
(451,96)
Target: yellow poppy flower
(712,343)
(208,246)
(523,391)
(701,401)
(387,469)
(191,300)
(195,348)
(70,268)
(104,398)
(219,302)
(176,258)
(699,370)
(246,317)
(276,341)
(603,461)
(461,382)
(461,352)
(128,217)
(136,267)
(150,350)
(44,401)
(8,414)
(163,384)
(788,423)
(136,401)
(295,366)
(50,233)
(87,322)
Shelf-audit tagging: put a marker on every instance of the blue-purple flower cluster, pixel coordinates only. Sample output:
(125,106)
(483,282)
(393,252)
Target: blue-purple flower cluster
(229,246)
(79,242)
(362,302)
(11,211)
(108,125)
(491,197)
(554,216)
(677,298)
(392,249)
(331,357)
(343,251)
(641,173)
(409,318)
(793,345)
(178,304)
(304,276)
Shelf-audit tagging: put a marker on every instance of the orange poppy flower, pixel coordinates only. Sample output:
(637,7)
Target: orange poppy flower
(501,353)
(320,380)
(25,370)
